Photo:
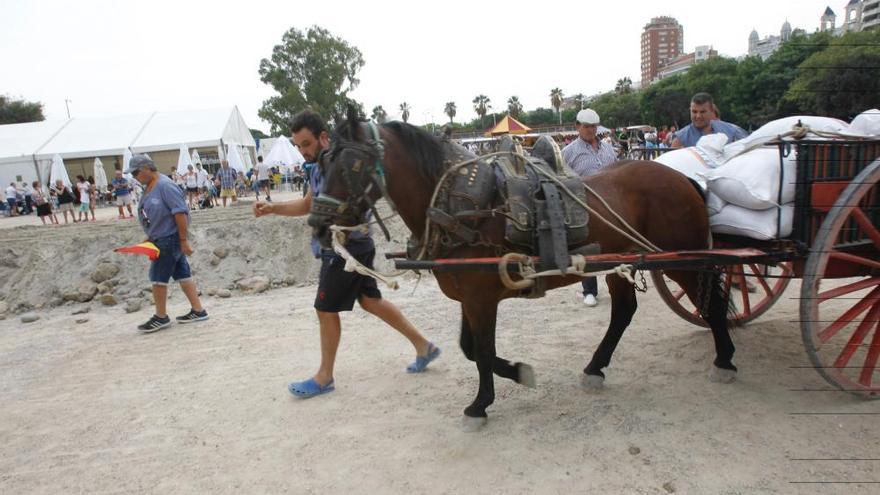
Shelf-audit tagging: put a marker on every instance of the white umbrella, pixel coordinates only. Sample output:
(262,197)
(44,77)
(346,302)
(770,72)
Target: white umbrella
(283,154)
(196,158)
(233,156)
(59,171)
(126,159)
(100,175)
(247,159)
(184,160)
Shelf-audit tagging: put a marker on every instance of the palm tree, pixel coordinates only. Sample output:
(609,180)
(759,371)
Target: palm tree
(481,106)
(450,110)
(514,107)
(379,114)
(623,86)
(404,111)
(580,100)
(556,101)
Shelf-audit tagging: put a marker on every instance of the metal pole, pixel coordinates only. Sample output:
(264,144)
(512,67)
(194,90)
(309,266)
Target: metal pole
(66,101)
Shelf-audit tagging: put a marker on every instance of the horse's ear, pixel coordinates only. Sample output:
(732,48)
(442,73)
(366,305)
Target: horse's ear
(354,119)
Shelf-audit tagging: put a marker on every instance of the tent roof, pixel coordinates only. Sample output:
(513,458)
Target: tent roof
(103,136)
(19,141)
(508,125)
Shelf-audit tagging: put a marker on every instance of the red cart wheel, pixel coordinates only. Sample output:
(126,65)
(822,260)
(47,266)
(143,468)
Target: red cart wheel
(753,290)
(840,317)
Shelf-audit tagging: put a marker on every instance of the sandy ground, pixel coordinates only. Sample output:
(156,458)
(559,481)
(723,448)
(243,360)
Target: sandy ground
(98,408)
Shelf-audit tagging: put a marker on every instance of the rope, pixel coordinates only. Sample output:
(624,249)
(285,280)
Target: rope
(352,264)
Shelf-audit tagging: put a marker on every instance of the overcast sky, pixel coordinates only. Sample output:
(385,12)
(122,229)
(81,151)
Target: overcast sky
(119,57)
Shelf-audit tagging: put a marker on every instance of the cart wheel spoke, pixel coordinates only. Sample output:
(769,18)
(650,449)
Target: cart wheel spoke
(679,294)
(852,258)
(847,317)
(866,225)
(761,280)
(744,291)
(858,337)
(849,288)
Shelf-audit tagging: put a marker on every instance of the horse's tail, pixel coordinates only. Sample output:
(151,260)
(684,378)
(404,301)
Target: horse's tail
(712,296)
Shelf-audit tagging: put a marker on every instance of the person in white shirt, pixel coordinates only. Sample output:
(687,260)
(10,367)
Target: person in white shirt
(84,190)
(263,178)
(12,199)
(191,179)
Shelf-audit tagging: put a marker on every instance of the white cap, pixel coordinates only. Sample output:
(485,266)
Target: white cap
(588,116)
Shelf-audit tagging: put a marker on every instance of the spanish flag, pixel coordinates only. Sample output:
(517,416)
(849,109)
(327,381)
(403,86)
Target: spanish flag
(147,249)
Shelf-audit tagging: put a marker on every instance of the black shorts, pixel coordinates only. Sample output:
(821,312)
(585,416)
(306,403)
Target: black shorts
(339,289)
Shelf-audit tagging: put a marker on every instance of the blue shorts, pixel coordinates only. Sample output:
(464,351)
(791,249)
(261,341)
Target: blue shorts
(171,262)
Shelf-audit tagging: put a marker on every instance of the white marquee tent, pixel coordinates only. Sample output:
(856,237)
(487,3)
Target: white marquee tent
(282,153)
(26,150)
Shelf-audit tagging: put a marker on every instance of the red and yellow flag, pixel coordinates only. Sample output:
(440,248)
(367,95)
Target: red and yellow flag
(147,249)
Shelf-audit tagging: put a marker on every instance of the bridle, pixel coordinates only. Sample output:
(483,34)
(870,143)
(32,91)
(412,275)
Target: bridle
(362,176)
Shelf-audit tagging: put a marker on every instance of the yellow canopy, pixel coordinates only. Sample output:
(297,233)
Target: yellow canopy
(508,125)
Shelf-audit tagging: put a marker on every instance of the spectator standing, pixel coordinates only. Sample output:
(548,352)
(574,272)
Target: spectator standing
(227,176)
(122,190)
(65,200)
(263,172)
(44,205)
(12,199)
(83,189)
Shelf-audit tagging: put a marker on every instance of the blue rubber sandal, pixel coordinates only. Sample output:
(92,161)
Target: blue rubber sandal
(309,388)
(422,362)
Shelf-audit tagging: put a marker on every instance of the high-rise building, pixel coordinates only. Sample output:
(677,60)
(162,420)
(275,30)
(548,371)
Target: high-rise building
(871,14)
(662,40)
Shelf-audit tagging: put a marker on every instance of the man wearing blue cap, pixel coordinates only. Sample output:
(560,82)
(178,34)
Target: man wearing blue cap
(164,216)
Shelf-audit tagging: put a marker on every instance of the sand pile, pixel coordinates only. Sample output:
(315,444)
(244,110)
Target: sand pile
(235,253)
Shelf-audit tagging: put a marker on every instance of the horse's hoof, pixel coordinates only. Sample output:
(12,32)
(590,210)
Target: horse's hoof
(526,375)
(721,375)
(470,424)
(592,382)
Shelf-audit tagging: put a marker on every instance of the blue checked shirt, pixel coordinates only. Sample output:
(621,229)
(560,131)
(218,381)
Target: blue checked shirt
(227,177)
(586,160)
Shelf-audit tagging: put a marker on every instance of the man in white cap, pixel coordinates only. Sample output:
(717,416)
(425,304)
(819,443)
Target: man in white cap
(587,155)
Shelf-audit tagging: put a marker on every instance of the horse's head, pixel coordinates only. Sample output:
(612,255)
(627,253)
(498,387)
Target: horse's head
(352,179)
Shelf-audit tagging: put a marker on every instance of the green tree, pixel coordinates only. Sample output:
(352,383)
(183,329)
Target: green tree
(450,110)
(580,100)
(15,111)
(514,107)
(481,106)
(539,116)
(258,134)
(666,102)
(623,86)
(379,115)
(404,111)
(841,81)
(312,69)
(556,101)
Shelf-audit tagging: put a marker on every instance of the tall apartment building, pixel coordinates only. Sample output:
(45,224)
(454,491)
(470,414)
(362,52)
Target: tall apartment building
(662,40)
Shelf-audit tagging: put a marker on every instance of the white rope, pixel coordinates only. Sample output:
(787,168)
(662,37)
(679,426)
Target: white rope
(579,264)
(352,264)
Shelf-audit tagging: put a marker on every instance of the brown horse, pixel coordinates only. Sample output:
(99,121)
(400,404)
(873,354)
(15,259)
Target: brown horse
(405,163)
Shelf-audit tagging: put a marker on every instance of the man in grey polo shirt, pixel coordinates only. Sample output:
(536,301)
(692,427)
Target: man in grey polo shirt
(164,216)
(587,155)
(705,121)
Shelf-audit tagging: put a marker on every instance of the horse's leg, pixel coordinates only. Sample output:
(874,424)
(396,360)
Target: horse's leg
(700,286)
(521,373)
(623,306)
(481,323)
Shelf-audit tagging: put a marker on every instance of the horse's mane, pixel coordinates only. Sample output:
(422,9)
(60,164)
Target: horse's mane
(425,149)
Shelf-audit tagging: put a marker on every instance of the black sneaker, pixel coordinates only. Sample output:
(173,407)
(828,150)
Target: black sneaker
(192,316)
(154,324)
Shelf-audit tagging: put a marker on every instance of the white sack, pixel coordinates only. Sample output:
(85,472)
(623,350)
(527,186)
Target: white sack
(751,180)
(687,161)
(866,123)
(750,223)
(714,203)
(771,130)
